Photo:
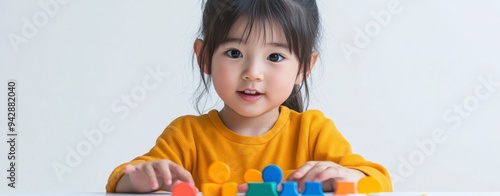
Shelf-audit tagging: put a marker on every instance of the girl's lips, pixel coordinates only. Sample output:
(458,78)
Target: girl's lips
(250,97)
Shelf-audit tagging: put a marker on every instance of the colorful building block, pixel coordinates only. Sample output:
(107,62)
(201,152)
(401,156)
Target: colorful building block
(272,173)
(211,189)
(344,188)
(262,189)
(313,189)
(219,172)
(368,185)
(252,175)
(184,189)
(229,189)
(289,189)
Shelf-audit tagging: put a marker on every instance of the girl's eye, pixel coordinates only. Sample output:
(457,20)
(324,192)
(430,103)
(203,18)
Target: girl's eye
(275,57)
(234,54)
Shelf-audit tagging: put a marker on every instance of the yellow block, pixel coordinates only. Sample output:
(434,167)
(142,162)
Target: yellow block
(369,185)
(252,175)
(211,189)
(229,189)
(219,172)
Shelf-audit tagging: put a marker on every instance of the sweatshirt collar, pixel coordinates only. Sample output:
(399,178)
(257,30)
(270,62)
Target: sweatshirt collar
(250,140)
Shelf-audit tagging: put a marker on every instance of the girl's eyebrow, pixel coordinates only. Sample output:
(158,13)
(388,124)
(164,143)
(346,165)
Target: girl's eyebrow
(238,40)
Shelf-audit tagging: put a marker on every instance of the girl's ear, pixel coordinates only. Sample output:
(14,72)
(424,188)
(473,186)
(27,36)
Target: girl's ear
(314,58)
(198,44)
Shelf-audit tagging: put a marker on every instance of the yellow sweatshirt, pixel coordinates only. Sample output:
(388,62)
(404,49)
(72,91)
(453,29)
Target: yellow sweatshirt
(195,142)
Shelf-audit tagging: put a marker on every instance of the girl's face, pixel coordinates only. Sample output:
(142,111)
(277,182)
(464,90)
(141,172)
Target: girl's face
(257,75)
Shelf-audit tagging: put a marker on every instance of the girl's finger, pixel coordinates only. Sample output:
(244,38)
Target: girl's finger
(162,169)
(329,176)
(279,187)
(243,188)
(181,173)
(303,170)
(129,169)
(291,178)
(311,175)
(328,185)
(151,175)
(336,173)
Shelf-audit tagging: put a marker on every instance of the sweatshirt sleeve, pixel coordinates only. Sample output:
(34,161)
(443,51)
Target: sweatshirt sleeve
(329,144)
(173,144)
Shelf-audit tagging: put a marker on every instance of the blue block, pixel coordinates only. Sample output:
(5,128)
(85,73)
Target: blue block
(289,189)
(313,189)
(272,173)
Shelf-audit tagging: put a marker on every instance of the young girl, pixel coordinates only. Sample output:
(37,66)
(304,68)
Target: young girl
(258,55)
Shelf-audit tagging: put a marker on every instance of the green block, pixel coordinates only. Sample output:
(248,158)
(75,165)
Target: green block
(262,189)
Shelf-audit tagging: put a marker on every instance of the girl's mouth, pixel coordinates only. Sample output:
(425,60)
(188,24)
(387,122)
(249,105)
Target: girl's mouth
(250,92)
(250,95)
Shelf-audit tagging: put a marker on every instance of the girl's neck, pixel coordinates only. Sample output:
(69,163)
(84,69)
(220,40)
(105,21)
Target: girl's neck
(248,126)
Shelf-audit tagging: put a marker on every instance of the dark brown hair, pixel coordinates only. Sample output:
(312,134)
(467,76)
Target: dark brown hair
(299,20)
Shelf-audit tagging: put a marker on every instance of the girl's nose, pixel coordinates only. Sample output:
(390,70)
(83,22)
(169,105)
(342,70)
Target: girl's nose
(254,71)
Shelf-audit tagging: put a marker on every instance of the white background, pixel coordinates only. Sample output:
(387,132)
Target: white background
(388,98)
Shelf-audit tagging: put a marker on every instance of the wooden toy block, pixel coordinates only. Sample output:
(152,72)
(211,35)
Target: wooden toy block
(313,189)
(253,175)
(289,189)
(184,189)
(272,173)
(344,188)
(211,189)
(219,172)
(229,189)
(368,185)
(262,189)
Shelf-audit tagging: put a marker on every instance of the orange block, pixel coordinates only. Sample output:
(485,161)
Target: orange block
(219,172)
(211,189)
(369,185)
(229,189)
(344,188)
(184,189)
(252,175)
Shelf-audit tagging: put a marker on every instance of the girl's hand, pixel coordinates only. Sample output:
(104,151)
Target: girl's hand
(155,175)
(324,171)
